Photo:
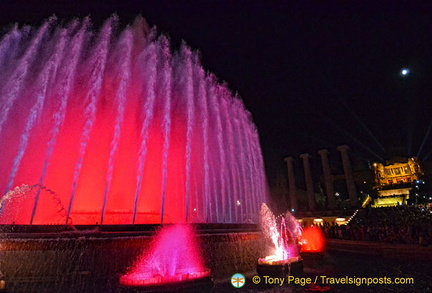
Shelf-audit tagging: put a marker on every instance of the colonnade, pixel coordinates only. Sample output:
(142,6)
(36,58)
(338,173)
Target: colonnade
(328,179)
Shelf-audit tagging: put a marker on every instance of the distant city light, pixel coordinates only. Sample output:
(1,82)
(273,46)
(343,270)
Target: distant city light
(405,71)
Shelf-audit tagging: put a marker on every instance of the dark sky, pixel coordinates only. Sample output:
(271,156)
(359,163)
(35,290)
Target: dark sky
(314,74)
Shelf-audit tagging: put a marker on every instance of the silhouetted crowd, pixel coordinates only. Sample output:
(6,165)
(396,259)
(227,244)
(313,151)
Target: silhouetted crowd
(401,224)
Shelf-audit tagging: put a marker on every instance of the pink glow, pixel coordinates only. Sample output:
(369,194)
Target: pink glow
(174,256)
(313,240)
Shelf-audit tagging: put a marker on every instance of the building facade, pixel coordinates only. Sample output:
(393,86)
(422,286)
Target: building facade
(395,180)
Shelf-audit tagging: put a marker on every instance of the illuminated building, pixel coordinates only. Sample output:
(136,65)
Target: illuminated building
(394,181)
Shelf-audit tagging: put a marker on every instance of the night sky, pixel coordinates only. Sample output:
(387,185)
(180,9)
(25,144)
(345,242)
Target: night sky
(314,74)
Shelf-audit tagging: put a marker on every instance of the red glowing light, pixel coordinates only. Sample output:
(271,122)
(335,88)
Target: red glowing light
(173,257)
(313,240)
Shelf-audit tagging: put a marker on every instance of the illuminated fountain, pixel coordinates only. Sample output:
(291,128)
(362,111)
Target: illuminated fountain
(111,127)
(285,233)
(172,261)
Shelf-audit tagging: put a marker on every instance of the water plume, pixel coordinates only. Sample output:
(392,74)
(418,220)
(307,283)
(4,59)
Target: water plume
(122,129)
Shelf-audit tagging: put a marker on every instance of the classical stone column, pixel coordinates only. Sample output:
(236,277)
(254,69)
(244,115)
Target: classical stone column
(291,184)
(348,174)
(309,183)
(331,199)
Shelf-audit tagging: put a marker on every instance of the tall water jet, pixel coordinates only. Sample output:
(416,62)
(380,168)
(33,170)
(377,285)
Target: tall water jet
(121,130)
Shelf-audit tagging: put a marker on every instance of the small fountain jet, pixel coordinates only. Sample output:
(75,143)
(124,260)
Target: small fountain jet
(285,234)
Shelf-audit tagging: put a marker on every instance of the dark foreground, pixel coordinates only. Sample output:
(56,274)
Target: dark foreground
(319,271)
(344,267)
(94,261)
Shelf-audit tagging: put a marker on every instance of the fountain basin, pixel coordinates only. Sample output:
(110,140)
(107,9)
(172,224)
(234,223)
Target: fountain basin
(270,266)
(180,282)
(44,259)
